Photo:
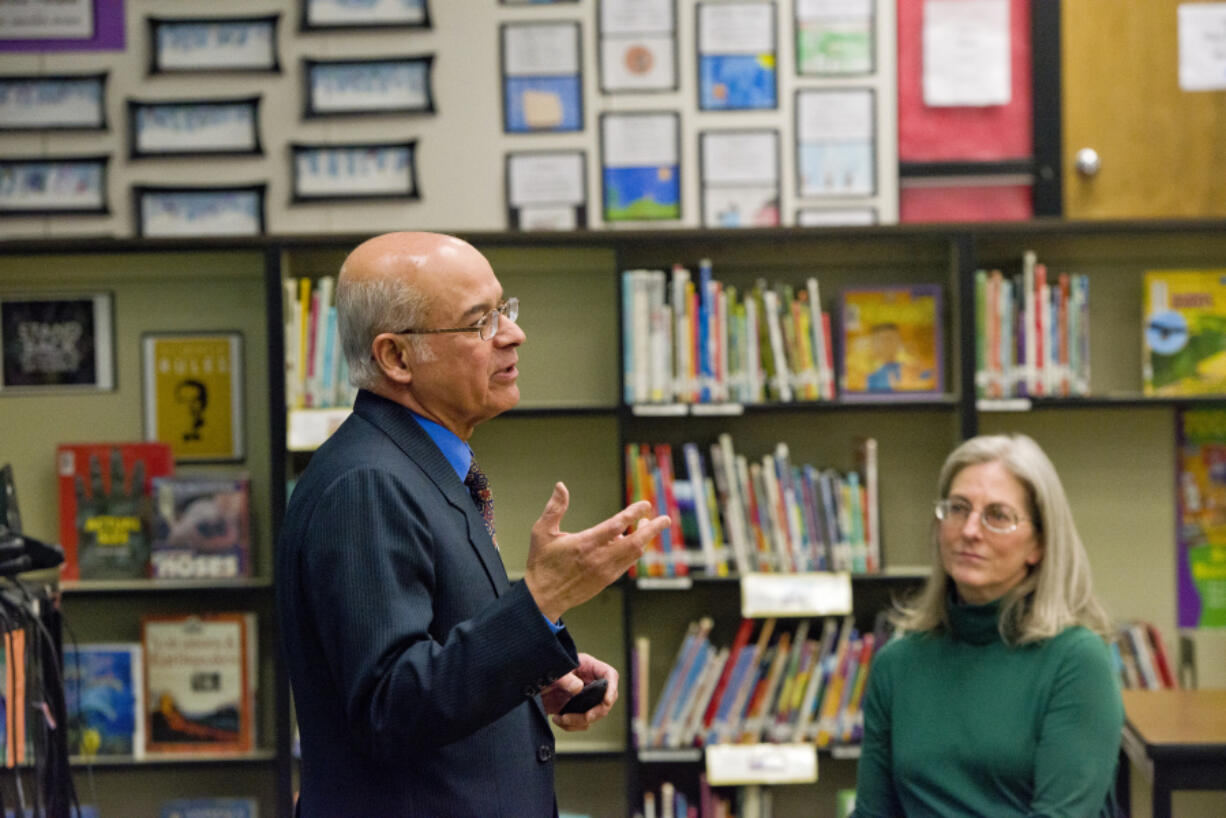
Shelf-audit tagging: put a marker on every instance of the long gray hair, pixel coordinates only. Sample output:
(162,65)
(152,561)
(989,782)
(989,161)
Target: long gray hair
(1057,592)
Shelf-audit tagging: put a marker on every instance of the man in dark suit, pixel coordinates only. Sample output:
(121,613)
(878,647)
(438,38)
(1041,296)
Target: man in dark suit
(422,678)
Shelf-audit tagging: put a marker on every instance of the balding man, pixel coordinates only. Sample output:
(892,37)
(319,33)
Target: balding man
(422,678)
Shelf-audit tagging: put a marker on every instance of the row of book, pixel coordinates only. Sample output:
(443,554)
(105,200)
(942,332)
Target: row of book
(1032,332)
(693,339)
(126,513)
(781,686)
(1141,658)
(188,687)
(752,801)
(767,515)
(316,374)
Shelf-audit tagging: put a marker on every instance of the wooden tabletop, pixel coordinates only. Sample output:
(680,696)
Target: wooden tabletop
(1184,717)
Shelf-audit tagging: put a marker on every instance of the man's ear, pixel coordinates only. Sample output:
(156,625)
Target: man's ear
(393,358)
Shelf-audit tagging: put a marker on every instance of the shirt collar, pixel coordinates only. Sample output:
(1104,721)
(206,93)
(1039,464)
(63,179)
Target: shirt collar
(457,452)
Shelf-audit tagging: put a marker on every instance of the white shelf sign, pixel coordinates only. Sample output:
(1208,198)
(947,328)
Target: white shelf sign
(730,764)
(815,593)
(308,428)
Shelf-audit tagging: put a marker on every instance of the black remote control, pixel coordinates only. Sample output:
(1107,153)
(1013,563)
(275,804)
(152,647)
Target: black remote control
(591,695)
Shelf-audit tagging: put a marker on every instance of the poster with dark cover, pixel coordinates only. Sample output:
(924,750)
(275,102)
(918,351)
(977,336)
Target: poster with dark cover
(60,342)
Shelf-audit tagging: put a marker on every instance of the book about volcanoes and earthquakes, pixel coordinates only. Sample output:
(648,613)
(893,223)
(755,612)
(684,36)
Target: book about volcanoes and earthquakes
(200,680)
(891,343)
(102,694)
(1185,332)
(201,526)
(104,506)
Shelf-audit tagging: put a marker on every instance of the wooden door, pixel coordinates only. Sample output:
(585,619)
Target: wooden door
(1162,150)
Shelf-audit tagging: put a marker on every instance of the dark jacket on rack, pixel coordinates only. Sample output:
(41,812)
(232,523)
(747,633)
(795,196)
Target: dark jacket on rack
(415,665)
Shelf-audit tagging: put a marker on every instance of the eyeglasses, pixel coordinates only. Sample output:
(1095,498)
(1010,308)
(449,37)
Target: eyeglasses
(995,517)
(486,326)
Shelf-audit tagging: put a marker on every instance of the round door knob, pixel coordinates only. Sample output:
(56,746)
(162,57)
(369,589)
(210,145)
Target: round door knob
(1087,162)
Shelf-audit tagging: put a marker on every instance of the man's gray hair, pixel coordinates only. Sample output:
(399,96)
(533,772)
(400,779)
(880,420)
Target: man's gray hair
(367,306)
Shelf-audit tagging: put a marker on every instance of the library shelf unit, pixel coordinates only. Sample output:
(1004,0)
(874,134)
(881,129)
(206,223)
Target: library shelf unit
(1111,448)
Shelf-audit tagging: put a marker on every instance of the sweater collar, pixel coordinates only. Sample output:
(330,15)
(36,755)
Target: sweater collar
(975,624)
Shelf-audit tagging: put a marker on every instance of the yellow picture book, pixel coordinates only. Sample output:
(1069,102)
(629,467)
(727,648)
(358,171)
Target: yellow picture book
(1184,338)
(891,342)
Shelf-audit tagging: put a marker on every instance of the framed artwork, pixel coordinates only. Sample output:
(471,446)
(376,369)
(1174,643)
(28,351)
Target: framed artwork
(381,85)
(54,186)
(641,166)
(834,37)
(638,45)
(836,142)
(737,57)
(199,211)
(332,15)
(192,387)
(56,342)
(740,178)
(213,44)
(210,127)
(547,190)
(386,170)
(68,102)
(542,77)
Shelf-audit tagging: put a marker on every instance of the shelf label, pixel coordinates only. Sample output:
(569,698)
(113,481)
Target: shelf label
(816,593)
(730,764)
(1003,404)
(664,583)
(306,429)
(659,410)
(717,409)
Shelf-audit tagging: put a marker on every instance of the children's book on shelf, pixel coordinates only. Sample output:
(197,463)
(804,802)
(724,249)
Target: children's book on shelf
(201,526)
(210,808)
(105,491)
(1200,517)
(103,700)
(891,342)
(1185,332)
(200,680)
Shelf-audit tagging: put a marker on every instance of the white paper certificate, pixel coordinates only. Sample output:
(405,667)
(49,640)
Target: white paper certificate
(540,49)
(640,140)
(1202,46)
(736,28)
(835,141)
(636,16)
(740,157)
(545,178)
(966,52)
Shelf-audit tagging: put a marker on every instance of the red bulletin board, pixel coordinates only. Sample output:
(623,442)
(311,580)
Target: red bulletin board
(966,203)
(962,134)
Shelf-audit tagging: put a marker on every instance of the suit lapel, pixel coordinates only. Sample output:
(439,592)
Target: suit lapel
(397,423)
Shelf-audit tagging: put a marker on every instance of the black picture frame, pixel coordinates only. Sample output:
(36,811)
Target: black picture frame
(363,169)
(210,38)
(311,21)
(520,215)
(54,185)
(636,55)
(177,128)
(699,55)
(517,89)
(420,100)
(706,185)
(199,210)
(75,352)
(79,101)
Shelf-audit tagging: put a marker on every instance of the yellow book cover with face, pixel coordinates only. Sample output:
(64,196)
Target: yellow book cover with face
(193,394)
(1184,337)
(891,342)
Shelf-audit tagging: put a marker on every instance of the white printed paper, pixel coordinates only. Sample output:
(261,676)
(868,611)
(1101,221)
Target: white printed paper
(736,28)
(1202,46)
(966,52)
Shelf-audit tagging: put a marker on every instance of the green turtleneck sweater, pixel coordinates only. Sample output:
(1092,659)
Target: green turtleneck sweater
(961,724)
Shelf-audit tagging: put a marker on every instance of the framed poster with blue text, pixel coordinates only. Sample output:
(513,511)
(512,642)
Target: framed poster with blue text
(184,45)
(547,190)
(836,139)
(641,166)
(199,211)
(736,57)
(51,186)
(740,178)
(206,127)
(834,37)
(385,170)
(542,77)
(381,85)
(53,342)
(67,102)
(338,15)
(193,393)
(638,45)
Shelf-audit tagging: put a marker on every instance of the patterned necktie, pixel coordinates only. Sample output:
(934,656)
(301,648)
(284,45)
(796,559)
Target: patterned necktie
(479,488)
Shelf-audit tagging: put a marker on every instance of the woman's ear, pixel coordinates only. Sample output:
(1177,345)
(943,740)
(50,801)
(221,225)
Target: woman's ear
(392,357)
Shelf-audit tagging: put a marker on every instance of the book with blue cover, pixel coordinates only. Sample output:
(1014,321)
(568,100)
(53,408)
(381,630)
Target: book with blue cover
(102,696)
